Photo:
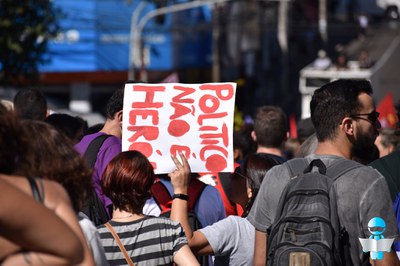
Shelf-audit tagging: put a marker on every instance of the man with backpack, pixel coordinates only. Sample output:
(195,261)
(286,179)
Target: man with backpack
(99,149)
(301,193)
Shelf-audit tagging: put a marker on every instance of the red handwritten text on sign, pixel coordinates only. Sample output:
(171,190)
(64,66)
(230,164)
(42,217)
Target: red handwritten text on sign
(195,119)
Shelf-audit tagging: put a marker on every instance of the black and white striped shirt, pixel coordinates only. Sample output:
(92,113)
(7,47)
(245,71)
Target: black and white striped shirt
(148,241)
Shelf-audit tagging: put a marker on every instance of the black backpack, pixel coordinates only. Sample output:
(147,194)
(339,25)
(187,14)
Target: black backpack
(307,228)
(93,207)
(164,200)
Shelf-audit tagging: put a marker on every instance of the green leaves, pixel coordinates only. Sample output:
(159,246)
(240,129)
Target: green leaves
(25,28)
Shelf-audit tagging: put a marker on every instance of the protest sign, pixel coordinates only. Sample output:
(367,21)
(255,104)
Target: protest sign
(195,119)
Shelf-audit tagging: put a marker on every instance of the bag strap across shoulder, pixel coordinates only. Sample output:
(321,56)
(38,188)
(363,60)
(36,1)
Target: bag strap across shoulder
(90,156)
(340,167)
(120,245)
(93,149)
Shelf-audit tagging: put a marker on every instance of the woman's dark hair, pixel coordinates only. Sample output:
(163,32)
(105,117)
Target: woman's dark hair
(127,180)
(14,144)
(254,168)
(55,158)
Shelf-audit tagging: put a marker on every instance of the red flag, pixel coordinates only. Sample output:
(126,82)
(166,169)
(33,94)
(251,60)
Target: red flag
(388,117)
(293,126)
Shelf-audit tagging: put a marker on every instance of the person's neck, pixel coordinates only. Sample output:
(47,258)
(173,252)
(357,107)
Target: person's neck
(337,148)
(124,216)
(112,127)
(270,150)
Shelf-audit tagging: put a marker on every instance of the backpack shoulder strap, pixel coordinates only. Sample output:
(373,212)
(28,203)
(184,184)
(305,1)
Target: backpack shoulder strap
(196,187)
(340,167)
(161,196)
(93,149)
(297,166)
(337,169)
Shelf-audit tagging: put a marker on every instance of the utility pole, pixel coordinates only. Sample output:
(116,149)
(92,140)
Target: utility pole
(215,49)
(283,22)
(132,37)
(283,25)
(322,21)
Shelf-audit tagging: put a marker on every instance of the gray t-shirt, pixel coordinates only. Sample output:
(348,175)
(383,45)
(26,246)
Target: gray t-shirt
(232,240)
(148,241)
(362,194)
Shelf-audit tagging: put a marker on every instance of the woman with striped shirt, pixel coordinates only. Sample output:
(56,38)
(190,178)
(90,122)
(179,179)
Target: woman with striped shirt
(144,240)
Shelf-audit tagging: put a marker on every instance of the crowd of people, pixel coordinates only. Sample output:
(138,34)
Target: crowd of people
(66,207)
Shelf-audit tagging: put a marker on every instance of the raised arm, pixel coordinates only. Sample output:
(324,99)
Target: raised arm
(33,227)
(180,179)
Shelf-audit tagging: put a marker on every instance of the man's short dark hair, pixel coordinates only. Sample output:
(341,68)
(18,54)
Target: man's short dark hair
(30,104)
(333,102)
(270,126)
(115,103)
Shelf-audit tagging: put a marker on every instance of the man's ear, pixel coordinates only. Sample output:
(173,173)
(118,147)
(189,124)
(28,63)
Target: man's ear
(253,136)
(347,126)
(118,115)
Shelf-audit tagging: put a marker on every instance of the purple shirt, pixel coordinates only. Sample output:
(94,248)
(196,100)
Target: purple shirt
(110,148)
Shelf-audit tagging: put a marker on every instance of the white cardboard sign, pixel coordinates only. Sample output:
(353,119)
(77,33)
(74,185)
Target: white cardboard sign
(195,119)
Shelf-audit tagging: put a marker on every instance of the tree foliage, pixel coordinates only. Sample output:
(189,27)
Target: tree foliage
(25,28)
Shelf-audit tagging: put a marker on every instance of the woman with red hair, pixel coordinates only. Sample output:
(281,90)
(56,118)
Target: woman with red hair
(144,240)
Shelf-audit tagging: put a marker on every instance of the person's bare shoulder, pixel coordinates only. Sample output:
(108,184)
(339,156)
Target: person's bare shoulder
(52,192)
